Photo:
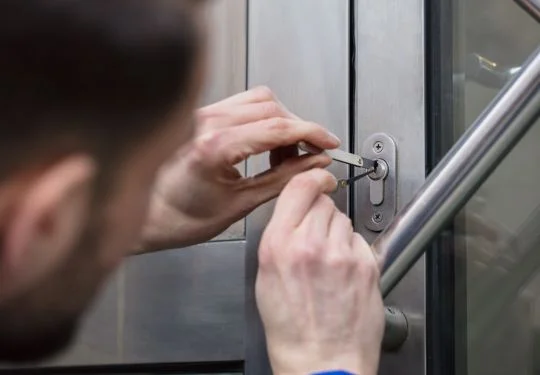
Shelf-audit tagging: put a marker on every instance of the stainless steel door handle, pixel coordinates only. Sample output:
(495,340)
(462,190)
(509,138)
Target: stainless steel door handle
(472,159)
(530,6)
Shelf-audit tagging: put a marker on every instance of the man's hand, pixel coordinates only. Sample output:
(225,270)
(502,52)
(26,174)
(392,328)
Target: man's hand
(199,193)
(318,285)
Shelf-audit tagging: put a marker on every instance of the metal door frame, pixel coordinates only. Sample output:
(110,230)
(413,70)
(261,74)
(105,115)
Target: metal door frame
(390,98)
(385,92)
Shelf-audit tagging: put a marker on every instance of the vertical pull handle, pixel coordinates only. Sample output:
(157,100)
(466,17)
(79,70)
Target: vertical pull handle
(459,175)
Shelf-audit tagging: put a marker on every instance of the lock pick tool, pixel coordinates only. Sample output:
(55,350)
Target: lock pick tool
(341,156)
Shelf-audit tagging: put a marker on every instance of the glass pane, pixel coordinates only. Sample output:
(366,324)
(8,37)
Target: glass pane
(497,240)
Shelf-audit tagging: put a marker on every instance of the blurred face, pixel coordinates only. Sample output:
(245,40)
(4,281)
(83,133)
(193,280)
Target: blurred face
(65,229)
(40,318)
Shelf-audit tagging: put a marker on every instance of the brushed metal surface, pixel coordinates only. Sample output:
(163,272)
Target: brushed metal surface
(227,60)
(99,339)
(185,305)
(227,69)
(300,50)
(390,98)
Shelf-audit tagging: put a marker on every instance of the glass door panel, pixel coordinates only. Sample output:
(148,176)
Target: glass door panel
(496,236)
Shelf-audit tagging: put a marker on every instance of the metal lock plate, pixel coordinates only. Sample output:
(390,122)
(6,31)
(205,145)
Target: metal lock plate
(377,193)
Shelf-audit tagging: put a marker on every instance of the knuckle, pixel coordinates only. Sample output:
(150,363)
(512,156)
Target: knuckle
(305,253)
(327,204)
(271,109)
(232,157)
(269,243)
(211,145)
(278,125)
(339,261)
(203,147)
(263,92)
(369,269)
(208,142)
(266,258)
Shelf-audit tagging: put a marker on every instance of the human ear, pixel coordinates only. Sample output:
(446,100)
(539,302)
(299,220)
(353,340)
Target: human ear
(45,222)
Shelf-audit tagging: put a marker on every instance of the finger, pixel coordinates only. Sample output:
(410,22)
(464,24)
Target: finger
(316,223)
(280,155)
(341,231)
(269,184)
(299,195)
(234,145)
(227,116)
(254,95)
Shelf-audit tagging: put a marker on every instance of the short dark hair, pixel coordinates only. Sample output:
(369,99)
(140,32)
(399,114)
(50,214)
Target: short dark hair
(102,71)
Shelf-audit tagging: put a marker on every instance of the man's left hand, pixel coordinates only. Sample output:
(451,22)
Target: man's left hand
(200,192)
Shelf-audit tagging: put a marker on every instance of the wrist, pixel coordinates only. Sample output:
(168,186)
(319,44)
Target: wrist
(320,362)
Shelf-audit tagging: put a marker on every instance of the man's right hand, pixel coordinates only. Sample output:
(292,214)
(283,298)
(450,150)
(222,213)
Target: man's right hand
(318,285)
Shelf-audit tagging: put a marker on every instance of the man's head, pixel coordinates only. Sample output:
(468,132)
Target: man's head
(94,97)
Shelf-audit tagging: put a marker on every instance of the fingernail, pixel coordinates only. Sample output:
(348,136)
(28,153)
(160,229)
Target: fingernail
(335,137)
